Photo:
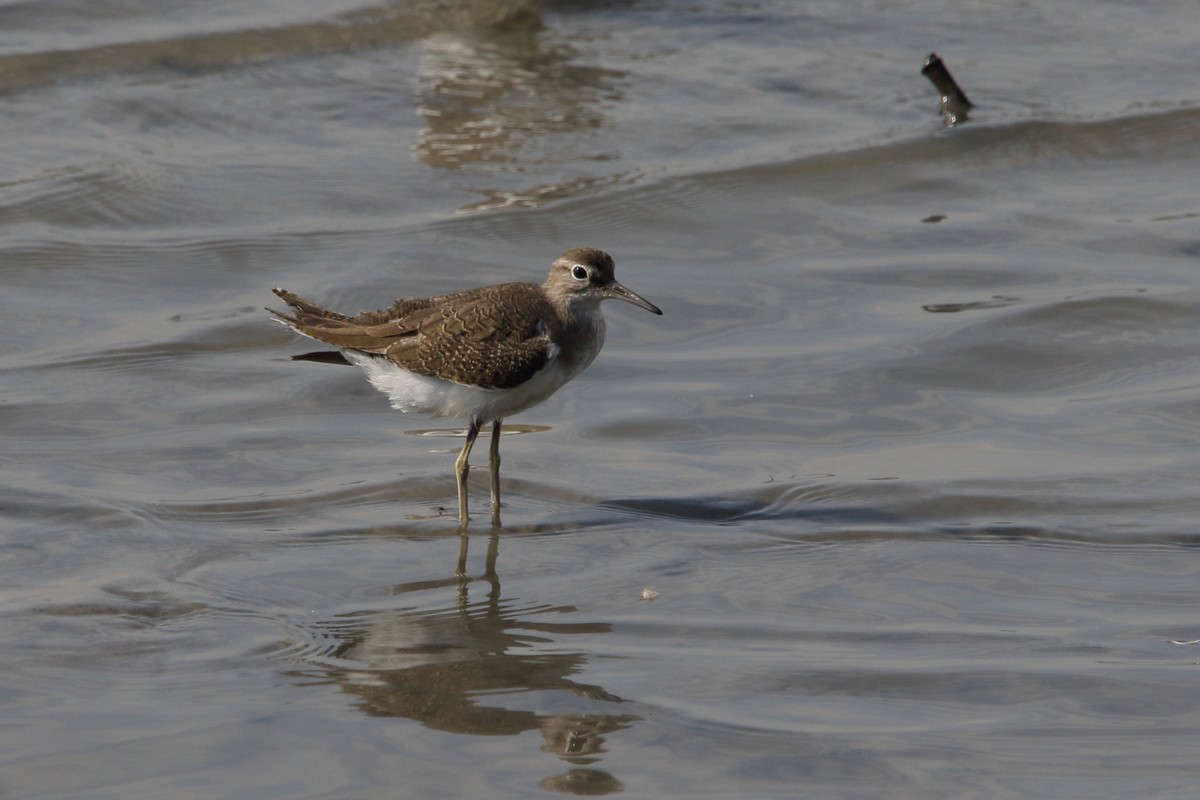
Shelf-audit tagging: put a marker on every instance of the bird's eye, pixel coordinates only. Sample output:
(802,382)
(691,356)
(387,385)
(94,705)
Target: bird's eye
(579,273)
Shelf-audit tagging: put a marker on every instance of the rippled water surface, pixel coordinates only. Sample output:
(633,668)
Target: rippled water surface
(897,499)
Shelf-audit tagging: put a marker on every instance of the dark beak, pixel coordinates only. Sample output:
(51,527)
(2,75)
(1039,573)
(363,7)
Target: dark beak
(619,292)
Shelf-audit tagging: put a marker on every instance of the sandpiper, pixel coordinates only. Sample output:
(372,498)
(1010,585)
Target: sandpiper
(481,354)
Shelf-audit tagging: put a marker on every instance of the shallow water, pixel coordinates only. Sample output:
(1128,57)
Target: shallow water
(909,464)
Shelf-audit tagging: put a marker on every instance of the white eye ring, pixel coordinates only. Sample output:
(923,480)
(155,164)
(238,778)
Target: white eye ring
(579,273)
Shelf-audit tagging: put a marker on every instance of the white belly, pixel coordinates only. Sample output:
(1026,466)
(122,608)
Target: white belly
(411,392)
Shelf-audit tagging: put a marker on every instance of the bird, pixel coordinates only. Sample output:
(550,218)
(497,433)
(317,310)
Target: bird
(479,355)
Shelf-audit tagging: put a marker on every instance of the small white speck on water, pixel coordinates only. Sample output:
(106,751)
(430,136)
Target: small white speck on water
(649,594)
(1184,641)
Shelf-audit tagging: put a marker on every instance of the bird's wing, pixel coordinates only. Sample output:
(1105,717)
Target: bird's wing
(495,337)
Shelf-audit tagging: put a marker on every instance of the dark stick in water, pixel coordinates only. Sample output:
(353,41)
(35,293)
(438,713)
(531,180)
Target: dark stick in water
(954,103)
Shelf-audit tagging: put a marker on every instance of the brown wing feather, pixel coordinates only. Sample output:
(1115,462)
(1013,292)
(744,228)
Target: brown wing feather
(363,332)
(306,312)
(494,337)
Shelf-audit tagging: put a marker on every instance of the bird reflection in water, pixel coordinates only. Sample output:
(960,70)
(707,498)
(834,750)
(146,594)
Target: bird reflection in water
(440,664)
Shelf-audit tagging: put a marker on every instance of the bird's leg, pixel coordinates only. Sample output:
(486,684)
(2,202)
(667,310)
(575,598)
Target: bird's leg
(494,468)
(461,468)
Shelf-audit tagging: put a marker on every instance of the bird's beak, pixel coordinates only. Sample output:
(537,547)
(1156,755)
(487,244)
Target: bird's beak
(619,292)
